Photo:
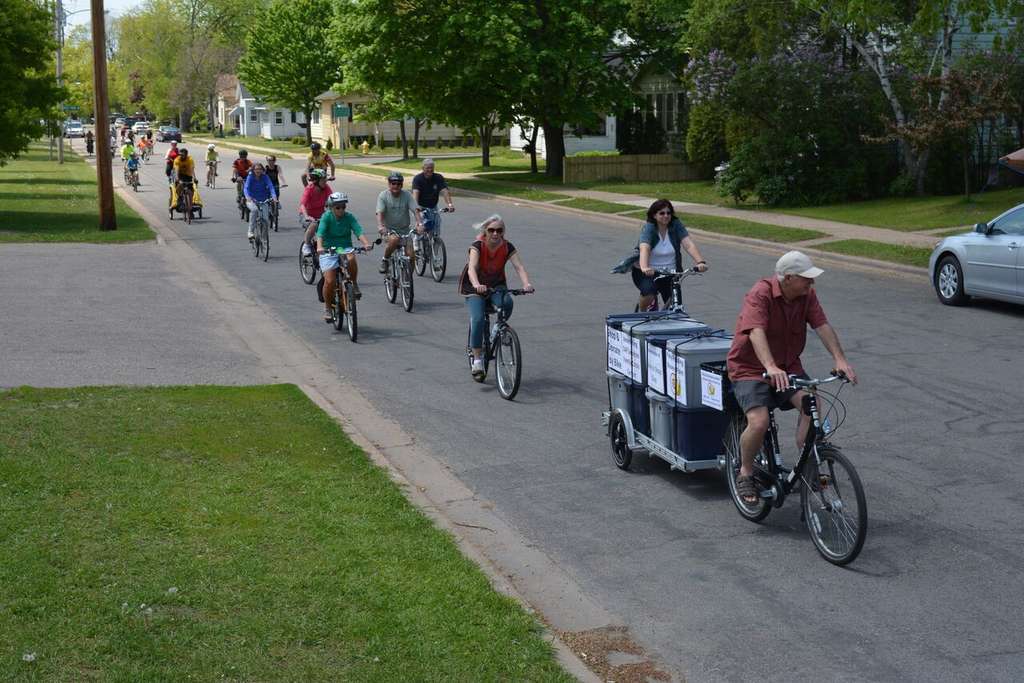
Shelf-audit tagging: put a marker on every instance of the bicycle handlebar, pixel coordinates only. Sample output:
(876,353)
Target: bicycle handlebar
(350,250)
(674,274)
(797,382)
(513,292)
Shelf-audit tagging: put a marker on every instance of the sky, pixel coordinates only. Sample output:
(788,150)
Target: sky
(115,7)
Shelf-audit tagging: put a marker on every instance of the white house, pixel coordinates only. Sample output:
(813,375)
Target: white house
(251,117)
(601,137)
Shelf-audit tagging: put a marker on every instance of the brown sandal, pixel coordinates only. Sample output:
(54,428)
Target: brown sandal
(747,490)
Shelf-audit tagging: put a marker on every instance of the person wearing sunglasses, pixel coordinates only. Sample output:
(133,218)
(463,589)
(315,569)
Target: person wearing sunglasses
(393,208)
(662,240)
(485,272)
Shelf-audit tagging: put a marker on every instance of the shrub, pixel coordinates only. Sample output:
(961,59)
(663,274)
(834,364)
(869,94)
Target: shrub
(440,143)
(903,186)
(705,136)
(329,145)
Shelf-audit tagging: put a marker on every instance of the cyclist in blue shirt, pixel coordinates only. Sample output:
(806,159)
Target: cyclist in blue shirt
(133,166)
(258,188)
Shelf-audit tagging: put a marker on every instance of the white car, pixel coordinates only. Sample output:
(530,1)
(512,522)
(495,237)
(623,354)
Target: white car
(140,127)
(987,262)
(74,129)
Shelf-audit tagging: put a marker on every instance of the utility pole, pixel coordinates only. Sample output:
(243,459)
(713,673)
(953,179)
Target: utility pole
(104,175)
(59,17)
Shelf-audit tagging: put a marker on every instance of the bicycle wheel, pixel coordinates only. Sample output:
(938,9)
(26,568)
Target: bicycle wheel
(265,238)
(509,359)
(406,284)
(834,506)
(337,310)
(438,259)
(275,216)
(391,280)
(307,266)
(731,441)
(421,252)
(254,243)
(352,320)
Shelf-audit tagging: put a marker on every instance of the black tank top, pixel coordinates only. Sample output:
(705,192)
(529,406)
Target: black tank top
(272,174)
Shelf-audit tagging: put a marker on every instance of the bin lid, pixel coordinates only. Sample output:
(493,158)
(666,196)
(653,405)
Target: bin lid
(717,344)
(661,339)
(663,327)
(616,319)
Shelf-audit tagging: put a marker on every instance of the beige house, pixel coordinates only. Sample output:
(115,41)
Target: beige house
(324,127)
(227,99)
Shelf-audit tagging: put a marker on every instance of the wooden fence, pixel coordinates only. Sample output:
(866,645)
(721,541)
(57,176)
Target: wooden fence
(632,167)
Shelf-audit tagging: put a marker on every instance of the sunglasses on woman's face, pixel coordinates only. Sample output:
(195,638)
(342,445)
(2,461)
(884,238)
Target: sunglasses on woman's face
(664,213)
(496,231)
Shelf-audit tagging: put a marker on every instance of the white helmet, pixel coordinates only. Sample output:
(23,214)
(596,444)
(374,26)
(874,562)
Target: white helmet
(337,198)
(210,146)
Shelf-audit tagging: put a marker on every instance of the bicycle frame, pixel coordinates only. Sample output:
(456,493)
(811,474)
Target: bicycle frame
(783,481)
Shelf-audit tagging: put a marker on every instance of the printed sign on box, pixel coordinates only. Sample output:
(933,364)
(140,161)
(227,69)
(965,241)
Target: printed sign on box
(656,368)
(618,350)
(677,379)
(711,389)
(635,362)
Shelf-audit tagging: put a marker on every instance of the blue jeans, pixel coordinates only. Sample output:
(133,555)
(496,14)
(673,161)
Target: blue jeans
(501,299)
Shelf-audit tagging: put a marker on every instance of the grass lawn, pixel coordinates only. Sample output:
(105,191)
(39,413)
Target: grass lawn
(896,253)
(597,205)
(733,226)
(226,533)
(502,159)
(521,191)
(696,191)
(42,201)
(240,142)
(916,213)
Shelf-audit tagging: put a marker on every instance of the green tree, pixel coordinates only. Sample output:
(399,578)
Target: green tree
(30,89)
(284,60)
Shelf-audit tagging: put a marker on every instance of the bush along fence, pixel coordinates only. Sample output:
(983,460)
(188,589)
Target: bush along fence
(633,167)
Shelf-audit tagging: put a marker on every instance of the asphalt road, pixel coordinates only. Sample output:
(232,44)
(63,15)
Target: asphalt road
(933,428)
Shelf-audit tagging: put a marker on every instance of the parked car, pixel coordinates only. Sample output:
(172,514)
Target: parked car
(74,129)
(140,127)
(986,262)
(168,133)
(119,121)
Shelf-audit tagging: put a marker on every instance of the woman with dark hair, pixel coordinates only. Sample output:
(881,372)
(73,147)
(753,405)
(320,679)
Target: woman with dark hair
(662,240)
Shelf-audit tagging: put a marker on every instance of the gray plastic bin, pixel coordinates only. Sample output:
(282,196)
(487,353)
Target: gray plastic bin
(662,422)
(683,359)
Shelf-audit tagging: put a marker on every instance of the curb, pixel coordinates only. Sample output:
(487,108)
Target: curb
(860,262)
(513,565)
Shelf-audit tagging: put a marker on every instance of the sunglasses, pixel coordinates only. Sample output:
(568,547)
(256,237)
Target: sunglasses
(496,231)
(394,182)
(663,213)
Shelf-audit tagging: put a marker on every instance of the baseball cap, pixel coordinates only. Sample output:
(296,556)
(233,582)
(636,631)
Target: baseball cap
(797,263)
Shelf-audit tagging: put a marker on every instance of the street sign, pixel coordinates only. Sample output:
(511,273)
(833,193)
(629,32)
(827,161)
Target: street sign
(342,111)
(71,107)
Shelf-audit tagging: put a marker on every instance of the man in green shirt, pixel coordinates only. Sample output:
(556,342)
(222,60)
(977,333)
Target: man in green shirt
(336,229)
(393,208)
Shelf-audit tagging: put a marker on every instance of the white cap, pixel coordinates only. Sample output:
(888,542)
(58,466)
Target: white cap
(797,263)
(210,146)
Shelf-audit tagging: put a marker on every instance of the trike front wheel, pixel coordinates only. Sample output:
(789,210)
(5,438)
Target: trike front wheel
(834,506)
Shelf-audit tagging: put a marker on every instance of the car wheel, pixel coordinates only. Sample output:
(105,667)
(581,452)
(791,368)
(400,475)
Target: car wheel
(949,282)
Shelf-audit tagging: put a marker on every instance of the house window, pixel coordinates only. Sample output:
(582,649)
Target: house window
(599,129)
(278,117)
(316,116)
(293,117)
(254,116)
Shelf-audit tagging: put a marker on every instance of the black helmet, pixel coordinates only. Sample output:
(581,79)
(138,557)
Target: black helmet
(395,175)
(242,153)
(315,147)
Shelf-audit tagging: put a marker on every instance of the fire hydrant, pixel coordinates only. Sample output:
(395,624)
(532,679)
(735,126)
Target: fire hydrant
(364,148)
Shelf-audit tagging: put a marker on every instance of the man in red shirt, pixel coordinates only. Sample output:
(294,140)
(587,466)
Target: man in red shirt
(771,332)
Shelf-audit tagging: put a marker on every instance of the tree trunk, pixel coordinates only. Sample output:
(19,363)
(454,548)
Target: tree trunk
(405,140)
(967,172)
(308,113)
(485,145)
(554,149)
(417,122)
(533,148)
